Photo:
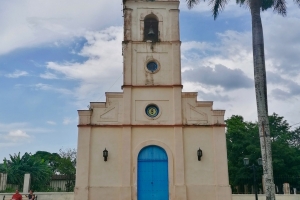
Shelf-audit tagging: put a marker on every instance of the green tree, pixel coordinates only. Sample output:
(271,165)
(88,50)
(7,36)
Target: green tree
(295,138)
(17,166)
(286,157)
(69,153)
(51,158)
(2,169)
(67,166)
(256,6)
(243,141)
(279,129)
(62,163)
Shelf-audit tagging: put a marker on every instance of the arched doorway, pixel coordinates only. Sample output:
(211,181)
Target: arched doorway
(153,180)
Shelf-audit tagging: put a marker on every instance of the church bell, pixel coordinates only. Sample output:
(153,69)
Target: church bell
(151,32)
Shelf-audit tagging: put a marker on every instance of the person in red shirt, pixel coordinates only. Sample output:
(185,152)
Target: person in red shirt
(17,196)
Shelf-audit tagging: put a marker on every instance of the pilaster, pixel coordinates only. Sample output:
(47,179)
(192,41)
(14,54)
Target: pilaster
(180,188)
(127,62)
(220,156)
(127,24)
(83,164)
(126,164)
(127,105)
(176,64)
(177,107)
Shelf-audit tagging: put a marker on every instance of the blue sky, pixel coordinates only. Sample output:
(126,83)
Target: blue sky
(57,56)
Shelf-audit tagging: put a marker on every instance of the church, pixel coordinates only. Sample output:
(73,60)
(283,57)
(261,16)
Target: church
(152,141)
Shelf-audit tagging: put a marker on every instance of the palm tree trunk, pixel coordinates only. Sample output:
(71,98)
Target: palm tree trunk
(261,98)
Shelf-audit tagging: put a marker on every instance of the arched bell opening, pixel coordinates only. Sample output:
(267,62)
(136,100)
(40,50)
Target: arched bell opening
(151,32)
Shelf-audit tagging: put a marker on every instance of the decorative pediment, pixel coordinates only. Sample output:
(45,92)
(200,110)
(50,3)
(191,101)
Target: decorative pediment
(195,115)
(110,114)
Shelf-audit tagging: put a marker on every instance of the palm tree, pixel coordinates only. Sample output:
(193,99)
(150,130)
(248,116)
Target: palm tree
(19,165)
(259,76)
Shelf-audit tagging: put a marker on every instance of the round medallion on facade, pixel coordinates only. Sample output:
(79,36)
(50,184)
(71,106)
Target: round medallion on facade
(152,110)
(152,66)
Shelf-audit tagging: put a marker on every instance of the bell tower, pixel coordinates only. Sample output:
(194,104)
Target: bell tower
(151,46)
(151,52)
(157,141)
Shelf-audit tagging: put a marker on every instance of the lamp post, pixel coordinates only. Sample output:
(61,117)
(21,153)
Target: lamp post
(253,167)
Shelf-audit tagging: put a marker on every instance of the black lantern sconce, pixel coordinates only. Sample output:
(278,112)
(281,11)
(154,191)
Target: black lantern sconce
(105,154)
(199,154)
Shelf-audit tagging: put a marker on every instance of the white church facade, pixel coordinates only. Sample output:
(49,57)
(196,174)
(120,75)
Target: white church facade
(151,141)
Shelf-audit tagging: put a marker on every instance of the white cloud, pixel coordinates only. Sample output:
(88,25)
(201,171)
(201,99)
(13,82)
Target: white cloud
(51,122)
(24,126)
(102,68)
(15,136)
(47,87)
(66,121)
(48,75)
(52,21)
(8,127)
(281,35)
(18,133)
(231,10)
(17,74)
(234,50)
(6,144)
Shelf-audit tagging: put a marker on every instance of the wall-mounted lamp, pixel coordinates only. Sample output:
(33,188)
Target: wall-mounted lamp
(105,154)
(199,154)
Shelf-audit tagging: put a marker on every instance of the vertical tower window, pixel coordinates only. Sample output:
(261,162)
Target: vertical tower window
(151,29)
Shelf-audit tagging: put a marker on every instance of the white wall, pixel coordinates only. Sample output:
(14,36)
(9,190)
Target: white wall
(70,196)
(58,185)
(263,197)
(44,196)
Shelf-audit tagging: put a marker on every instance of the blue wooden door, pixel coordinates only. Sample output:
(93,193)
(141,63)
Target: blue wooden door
(153,181)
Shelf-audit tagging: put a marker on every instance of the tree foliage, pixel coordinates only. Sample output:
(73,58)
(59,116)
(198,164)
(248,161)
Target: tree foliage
(41,166)
(51,158)
(17,166)
(67,162)
(295,138)
(2,169)
(260,82)
(62,163)
(243,141)
(67,166)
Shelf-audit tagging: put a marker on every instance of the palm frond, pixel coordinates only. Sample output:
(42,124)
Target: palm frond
(217,6)
(192,3)
(266,4)
(280,7)
(297,2)
(241,2)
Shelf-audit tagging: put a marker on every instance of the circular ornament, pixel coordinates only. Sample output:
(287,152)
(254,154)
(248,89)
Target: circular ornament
(152,66)
(152,110)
